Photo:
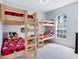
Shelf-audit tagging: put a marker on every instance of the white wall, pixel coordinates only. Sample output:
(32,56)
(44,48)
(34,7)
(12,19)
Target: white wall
(1,1)
(71,11)
(13,28)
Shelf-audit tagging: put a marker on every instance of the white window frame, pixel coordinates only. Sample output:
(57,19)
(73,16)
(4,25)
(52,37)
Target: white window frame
(60,29)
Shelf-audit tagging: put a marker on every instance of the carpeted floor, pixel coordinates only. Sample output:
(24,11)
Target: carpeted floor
(20,57)
(55,51)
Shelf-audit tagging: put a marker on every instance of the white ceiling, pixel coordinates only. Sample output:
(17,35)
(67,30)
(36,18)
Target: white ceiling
(35,4)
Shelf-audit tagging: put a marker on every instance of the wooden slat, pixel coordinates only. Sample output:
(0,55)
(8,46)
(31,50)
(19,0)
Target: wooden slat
(2,16)
(13,18)
(9,8)
(11,56)
(13,23)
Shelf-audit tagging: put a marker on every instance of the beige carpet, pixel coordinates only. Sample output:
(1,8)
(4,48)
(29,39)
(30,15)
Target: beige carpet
(55,51)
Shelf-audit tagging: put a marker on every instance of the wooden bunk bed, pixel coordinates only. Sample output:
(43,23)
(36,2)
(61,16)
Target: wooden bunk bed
(12,16)
(47,31)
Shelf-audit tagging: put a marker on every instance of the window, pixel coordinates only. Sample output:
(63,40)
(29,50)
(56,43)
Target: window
(61,26)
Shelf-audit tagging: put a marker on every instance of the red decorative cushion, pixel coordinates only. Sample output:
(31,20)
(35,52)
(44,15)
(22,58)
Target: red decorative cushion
(29,42)
(20,47)
(13,47)
(14,13)
(30,16)
(6,51)
(45,36)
